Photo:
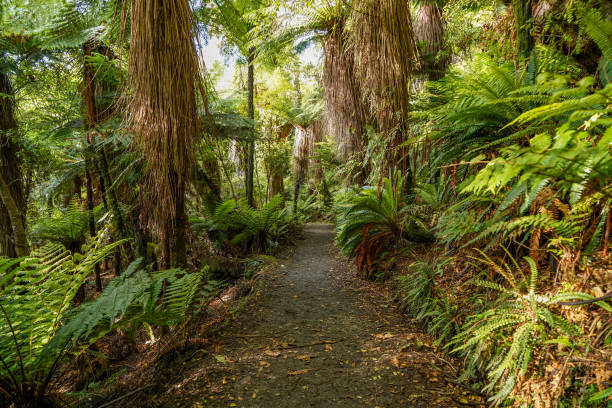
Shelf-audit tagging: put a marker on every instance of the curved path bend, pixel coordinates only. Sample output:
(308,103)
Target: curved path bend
(316,337)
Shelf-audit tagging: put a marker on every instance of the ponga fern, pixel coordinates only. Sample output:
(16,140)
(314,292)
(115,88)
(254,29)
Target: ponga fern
(375,222)
(68,226)
(35,295)
(503,338)
(234,222)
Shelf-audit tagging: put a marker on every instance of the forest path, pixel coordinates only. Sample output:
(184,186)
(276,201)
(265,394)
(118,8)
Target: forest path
(315,337)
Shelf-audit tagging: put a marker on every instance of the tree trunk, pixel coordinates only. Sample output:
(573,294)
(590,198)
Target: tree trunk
(163,112)
(301,165)
(95,114)
(250,161)
(178,243)
(92,221)
(429,32)
(111,197)
(16,218)
(276,183)
(522,26)
(11,224)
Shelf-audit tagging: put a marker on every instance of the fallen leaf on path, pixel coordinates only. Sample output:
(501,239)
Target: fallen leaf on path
(272,353)
(298,372)
(395,362)
(305,357)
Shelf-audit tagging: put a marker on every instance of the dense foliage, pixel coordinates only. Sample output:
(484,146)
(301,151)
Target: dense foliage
(462,148)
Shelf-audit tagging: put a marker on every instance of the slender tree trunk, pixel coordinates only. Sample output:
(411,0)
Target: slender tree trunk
(91,220)
(250,162)
(113,203)
(91,118)
(522,26)
(111,197)
(95,114)
(102,185)
(296,193)
(299,179)
(276,182)
(13,240)
(16,218)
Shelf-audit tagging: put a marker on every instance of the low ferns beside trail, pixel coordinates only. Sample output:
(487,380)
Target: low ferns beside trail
(37,327)
(419,296)
(35,296)
(503,339)
(233,223)
(374,222)
(131,299)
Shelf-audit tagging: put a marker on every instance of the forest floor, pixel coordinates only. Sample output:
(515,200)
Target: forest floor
(315,336)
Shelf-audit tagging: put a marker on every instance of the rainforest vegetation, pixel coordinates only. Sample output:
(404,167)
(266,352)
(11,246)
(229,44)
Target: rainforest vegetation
(460,148)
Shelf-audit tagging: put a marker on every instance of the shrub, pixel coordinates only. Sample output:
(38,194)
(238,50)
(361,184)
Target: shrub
(236,227)
(374,223)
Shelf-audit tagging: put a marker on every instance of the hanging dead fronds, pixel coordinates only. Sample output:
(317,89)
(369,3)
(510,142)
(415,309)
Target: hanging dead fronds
(318,135)
(386,56)
(343,94)
(301,149)
(429,32)
(162,112)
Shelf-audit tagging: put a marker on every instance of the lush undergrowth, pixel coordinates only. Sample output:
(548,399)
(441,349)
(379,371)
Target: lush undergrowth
(511,177)
(141,174)
(46,318)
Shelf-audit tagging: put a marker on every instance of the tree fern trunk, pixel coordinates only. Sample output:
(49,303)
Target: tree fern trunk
(250,162)
(522,27)
(11,223)
(429,31)
(19,232)
(178,248)
(163,112)
(276,182)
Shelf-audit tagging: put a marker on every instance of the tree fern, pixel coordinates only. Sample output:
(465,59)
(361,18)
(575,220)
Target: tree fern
(373,222)
(239,224)
(68,226)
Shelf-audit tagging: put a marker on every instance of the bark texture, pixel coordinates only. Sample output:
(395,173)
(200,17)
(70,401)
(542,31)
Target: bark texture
(13,238)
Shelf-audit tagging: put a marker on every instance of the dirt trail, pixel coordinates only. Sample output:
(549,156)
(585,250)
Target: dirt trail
(315,338)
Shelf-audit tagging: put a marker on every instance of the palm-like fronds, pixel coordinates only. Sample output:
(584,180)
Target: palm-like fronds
(235,223)
(69,227)
(373,222)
